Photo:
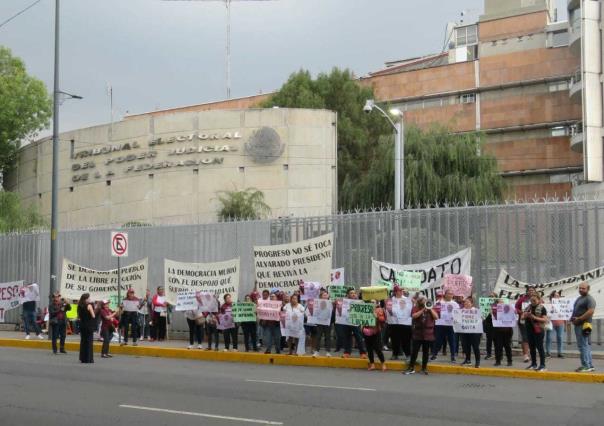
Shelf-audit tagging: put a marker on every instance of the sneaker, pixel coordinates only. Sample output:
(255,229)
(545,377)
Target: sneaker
(560,356)
(531,367)
(408,372)
(327,354)
(467,362)
(40,337)
(134,343)
(453,361)
(510,363)
(199,347)
(385,348)
(315,354)
(488,357)
(526,359)
(542,368)
(581,369)
(497,364)
(433,358)
(27,337)
(424,372)
(590,369)
(190,347)
(63,351)
(548,355)
(477,366)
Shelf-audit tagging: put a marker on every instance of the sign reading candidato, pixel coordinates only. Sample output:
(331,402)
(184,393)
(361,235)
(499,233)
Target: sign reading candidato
(217,278)
(433,272)
(284,266)
(9,297)
(77,280)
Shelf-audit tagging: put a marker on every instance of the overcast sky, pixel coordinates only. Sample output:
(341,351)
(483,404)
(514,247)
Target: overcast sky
(159,54)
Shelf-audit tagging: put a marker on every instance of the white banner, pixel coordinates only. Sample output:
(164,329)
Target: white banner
(398,311)
(9,297)
(511,288)
(560,309)
(284,266)
(433,272)
(77,280)
(29,293)
(217,278)
(319,311)
(337,276)
(186,301)
(467,321)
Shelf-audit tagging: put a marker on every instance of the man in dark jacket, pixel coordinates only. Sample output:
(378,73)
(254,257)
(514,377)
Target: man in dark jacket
(58,321)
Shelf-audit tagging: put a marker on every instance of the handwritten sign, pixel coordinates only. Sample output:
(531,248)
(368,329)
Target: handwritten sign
(268,310)
(467,321)
(374,293)
(487,302)
(244,312)
(9,297)
(460,285)
(342,307)
(361,314)
(337,291)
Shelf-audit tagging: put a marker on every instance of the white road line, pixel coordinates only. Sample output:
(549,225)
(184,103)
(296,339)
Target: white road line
(210,416)
(312,386)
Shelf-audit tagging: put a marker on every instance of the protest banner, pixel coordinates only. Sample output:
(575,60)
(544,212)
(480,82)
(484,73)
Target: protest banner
(285,266)
(342,306)
(409,280)
(207,301)
(130,305)
(467,321)
(506,315)
(337,291)
(337,276)
(560,309)
(374,293)
(9,297)
(186,301)
(244,312)
(77,280)
(398,311)
(268,310)
(225,321)
(507,286)
(460,285)
(361,314)
(29,293)
(294,323)
(218,278)
(432,272)
(310,290)
(446,313)
(486,303)
(319,311)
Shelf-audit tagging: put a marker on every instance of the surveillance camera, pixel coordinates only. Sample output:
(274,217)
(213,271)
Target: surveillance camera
(368,106)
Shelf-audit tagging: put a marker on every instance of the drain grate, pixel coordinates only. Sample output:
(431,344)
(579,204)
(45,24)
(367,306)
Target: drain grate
(476,386)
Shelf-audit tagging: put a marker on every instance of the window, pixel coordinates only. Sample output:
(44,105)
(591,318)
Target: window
(560,131)
(560,38)
(468,98)
(466,36)
(558,86)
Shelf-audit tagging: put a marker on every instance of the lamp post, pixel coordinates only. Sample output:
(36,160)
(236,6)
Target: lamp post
(399,150)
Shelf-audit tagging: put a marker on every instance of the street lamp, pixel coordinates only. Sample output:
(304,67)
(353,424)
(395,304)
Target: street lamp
(399,150)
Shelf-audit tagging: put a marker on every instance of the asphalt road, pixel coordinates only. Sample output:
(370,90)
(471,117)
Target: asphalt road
(38,388)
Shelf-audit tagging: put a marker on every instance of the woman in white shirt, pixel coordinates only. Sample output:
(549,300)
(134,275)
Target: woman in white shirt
(160,315)
(294,317)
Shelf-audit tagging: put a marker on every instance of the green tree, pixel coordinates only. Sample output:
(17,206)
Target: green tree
(15,217)
(440,167)
(26,107)
(247,204)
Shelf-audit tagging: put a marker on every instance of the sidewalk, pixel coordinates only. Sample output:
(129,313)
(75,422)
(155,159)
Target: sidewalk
(558,369)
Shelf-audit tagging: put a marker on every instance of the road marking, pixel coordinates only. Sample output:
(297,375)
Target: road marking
(210,416)
(312,386)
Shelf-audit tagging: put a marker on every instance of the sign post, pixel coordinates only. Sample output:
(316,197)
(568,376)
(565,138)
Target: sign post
(119,249)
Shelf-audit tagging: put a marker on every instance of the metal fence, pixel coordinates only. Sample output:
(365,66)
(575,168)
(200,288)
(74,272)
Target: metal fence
(533,242)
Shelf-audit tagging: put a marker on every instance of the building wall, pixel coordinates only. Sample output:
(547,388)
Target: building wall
(159,184)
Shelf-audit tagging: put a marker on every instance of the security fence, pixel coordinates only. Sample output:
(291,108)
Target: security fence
(535,242)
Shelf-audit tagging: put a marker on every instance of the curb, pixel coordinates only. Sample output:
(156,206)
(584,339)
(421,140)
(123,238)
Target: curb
(308,361)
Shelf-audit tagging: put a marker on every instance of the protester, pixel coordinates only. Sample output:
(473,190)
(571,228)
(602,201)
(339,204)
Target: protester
(108,322)
(372,337)
(160,315)
(196,322)
(261,338)
(87,327)
(29,317)
(249,331)
(129,317)
(353,330)
(322,331)
(557,327)
(272,332)
(400,334)
(229,334)
(524,299)
(212,330)
(487,325)
(471,341)
(583,310)
(293,308)
(444,333)
(145,307)
(423,319)
(57,314)
(535,317)
(502,338)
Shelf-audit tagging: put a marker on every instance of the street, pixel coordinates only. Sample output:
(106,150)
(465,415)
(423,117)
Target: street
(40,388)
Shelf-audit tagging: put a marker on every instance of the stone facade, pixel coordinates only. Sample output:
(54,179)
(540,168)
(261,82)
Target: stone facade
(169,168)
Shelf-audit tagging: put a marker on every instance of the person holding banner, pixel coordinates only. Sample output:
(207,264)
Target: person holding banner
(353,330)
(57,318)
(294,317)
(521,303)
(424,318)
(470,341)
(108,321)
(557,327)
(28,295)
(272,330)
(444,325)
(250,330)
(129,317)
(400,334)
(535,317)
(196,322)
(322,330)
(160,315)
(372,336)
(212,330)
(502,336)
(144,308)
(87,328)
(226,324)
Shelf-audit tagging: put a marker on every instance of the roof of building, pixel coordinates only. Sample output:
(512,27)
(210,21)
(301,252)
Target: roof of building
(411,64)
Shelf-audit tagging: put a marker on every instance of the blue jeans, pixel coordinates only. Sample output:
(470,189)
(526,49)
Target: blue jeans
(584,345)
(272,335)
(29,320)
(559,331)
(130,320)
(445,332)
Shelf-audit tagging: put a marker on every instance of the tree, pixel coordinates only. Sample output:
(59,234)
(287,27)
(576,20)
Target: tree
(15,217)
(247,204)
(440,167)
(26,107)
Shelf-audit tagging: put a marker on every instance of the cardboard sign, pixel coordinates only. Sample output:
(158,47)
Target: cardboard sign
(374,293)
(337,292)
(460,285)
(398,311)
(9,297)
(506,315)
(244,312)
(268,310)
(311,290)
(186,301)
(467,321)
(342,307)
(361,314)
(560,309)
(130,305)
(319,311)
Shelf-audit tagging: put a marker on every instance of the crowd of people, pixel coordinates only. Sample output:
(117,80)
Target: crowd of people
(146,318)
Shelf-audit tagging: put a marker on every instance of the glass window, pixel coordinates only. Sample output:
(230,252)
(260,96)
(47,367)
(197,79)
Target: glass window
(560,38)
(468,98)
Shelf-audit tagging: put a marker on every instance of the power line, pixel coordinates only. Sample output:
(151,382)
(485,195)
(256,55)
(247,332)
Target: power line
(19,13)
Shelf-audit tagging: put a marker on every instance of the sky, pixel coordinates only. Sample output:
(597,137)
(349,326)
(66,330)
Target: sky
(162,54)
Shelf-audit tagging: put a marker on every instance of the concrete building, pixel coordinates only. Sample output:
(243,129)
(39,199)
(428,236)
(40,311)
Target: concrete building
(507,75)
(169,168)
